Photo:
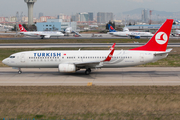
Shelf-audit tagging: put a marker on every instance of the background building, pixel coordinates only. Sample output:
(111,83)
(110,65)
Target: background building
(103,17)
(41,14)
(84,17)
(73,17)
(145,18)
(55,25)
(91,17)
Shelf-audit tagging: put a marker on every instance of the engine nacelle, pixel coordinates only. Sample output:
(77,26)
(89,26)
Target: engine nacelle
(137,37)
(67,68)
(47,36)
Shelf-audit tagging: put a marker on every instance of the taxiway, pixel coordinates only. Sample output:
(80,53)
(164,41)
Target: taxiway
(132,76)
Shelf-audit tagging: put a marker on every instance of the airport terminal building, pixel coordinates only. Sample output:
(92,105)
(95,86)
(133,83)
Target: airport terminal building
(55,25)
(149,27)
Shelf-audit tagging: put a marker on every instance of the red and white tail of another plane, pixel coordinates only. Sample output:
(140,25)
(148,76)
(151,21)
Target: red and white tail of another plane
(43,34)
(22,29)
(72,61)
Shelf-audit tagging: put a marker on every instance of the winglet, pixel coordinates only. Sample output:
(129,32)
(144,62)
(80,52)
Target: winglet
(110,54)
(22,29)
(112,46)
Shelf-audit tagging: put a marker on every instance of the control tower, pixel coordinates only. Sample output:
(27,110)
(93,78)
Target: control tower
(30,4)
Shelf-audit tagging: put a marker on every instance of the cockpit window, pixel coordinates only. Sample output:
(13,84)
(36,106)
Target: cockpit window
(12,57)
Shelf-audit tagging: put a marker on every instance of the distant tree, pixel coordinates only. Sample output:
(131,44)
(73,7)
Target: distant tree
(113,24)
(33,28)
(107,26)
(25,26)
(174,23)
(14,29)
(130,24)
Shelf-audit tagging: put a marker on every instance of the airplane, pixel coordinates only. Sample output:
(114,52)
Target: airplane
(42,34)
(127,33)
(176,33)
(71,61)
(69,30)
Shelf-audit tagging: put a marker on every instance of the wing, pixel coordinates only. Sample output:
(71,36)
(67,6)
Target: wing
(97,63)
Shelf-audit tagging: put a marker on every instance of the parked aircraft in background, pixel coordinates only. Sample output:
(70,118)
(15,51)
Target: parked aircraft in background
(93,26)
(70,61)
(176,33)
(42,34)
(69,30)
(127,33)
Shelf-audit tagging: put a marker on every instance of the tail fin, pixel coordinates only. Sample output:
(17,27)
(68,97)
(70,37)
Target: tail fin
(22,29)
(160,39)
(111,29)
(125,29)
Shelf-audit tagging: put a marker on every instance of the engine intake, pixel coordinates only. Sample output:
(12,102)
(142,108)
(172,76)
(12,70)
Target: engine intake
(67,68)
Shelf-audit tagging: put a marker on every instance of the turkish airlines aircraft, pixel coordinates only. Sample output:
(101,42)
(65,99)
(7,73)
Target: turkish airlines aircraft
(127,33)
(72,61)
(43,34)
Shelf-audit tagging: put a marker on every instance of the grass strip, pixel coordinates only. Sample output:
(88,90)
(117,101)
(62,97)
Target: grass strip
(96,102)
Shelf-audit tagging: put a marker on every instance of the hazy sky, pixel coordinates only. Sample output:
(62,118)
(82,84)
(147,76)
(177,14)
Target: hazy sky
(54,7)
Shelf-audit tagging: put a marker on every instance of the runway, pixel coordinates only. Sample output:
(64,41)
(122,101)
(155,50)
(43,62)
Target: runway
(132,76)
(79,45)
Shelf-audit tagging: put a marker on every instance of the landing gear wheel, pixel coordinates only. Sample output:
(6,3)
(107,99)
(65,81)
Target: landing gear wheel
(19,72)
(42,37)
(88,71)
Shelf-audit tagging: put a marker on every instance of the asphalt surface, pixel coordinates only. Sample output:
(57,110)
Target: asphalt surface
(32,38)
(79,45)
(132,76)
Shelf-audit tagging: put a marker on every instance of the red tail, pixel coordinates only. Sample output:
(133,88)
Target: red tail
(22,29)
(160,39)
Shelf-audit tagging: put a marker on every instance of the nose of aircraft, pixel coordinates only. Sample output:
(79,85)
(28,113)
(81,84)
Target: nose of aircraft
(4,61)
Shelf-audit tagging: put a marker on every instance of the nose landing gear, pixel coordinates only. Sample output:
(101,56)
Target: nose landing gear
(19,72)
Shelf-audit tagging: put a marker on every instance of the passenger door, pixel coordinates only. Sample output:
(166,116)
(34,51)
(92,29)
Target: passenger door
(23,58)
(141,57)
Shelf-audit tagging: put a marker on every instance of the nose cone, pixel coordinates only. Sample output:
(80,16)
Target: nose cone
(4,61)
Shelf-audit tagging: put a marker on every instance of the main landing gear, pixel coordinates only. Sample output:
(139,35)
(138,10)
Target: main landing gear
(88,71)
(19,72)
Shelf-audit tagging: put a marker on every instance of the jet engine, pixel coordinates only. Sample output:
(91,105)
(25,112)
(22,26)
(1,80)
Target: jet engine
(47,36)
(67,68)
(137,37)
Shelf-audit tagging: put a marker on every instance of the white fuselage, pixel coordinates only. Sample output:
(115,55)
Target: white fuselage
(51,59)
(129,34)
(68,30)
(46,34)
